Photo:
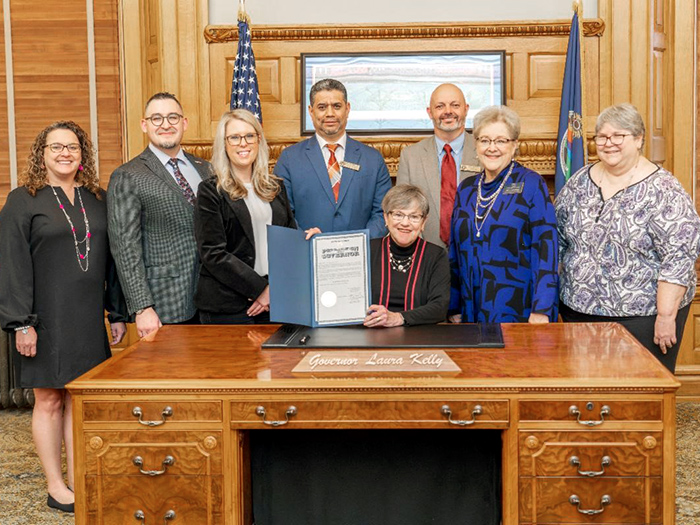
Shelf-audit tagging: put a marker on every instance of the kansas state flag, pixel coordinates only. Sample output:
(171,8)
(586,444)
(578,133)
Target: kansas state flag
(570,154)
(244,87)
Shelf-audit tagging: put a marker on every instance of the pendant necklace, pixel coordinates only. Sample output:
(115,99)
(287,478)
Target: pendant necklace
(486,203)
(86,240)
(401,265)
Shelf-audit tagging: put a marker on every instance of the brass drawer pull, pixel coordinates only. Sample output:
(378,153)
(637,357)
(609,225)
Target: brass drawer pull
(168,516)
(604,462)
(446,411)
(604,411)
(604,501)
(167,412)
(167,462)
(291,411)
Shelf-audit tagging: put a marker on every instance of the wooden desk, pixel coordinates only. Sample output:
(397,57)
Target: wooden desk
(200,388)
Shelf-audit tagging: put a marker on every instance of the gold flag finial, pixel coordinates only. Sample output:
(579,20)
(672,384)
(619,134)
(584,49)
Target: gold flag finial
(577,6)
(242,15)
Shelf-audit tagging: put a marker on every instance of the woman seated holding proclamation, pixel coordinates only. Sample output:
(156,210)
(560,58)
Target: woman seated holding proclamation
(629,238)
(231,216)
(410,276)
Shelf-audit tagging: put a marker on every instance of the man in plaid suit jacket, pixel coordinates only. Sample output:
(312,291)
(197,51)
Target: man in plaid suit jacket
(151,220)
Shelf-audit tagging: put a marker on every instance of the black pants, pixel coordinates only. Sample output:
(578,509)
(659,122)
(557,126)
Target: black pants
(239,318)
(641,327)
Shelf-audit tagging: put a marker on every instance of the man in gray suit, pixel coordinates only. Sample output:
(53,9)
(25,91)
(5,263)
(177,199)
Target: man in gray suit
(439,163)
(150,206)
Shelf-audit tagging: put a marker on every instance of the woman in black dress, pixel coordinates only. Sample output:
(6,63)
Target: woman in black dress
(55,264)
(231,216)
(410,276)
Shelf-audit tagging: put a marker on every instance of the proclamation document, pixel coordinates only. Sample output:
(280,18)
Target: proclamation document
(341,278)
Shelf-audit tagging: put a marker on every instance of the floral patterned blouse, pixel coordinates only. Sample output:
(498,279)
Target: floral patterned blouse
(613,252)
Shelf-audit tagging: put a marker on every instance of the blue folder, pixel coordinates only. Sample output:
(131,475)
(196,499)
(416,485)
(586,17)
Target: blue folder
(290,267)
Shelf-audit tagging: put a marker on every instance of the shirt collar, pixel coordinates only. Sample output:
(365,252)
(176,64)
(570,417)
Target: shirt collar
(341,142)
(457,144)
(164,158)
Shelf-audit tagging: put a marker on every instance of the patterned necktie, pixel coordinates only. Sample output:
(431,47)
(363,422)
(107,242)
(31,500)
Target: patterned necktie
(182,181)
(334,170)
(448,188)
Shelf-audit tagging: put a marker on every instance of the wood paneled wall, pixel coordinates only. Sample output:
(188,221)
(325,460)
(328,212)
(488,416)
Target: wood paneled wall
(51,77)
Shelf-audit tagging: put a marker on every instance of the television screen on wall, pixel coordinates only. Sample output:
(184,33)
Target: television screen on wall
(389,92)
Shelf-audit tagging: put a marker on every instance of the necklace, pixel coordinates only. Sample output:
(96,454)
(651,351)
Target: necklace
(486,203)
(86,240)
(401,265)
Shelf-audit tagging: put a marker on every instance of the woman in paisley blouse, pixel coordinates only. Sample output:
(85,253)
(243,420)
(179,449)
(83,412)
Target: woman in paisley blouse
(629,236)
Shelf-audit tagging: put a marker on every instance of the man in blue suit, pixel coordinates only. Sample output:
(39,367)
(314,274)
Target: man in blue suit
(334,183)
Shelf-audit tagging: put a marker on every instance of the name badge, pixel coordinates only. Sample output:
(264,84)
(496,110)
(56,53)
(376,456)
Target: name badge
(515,187)
(469,167)
(350,166)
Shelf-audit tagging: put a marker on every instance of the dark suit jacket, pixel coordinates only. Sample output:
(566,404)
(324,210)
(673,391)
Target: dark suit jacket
(151,235)
(418,165)
(311,197)
(224,232)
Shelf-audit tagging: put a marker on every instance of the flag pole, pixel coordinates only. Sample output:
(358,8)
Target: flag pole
(578,8)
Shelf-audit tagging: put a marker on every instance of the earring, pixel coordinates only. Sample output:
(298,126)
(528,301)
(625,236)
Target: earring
(80,167)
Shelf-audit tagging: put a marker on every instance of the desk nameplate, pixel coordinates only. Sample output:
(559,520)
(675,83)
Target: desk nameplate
(377,362)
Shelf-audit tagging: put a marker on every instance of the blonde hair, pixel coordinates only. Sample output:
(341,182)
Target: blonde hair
(34,176)
(265,185)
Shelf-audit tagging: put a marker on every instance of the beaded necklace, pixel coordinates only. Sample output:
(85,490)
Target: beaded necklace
(487,202)
(80,256)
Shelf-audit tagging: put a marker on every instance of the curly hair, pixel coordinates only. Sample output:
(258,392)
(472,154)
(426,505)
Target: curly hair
(34,176)
(265,185)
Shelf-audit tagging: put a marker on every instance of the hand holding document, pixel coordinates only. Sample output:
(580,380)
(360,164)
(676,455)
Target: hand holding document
(321,282)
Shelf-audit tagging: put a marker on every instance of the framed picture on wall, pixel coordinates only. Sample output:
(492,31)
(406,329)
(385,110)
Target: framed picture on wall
(389,92)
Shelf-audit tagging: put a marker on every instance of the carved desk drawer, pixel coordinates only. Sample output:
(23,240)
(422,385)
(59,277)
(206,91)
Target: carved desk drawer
(181,499)
(609,500)
(157,453)
(590,413)
(365,414)
(590,454)
(152,413)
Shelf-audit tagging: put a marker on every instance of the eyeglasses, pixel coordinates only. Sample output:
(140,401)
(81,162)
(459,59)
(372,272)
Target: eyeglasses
(158,119)
(57,147)
(235,140)
(615,140)
(499,142)
(398,216)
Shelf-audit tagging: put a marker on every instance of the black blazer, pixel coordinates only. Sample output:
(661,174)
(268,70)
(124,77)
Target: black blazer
(224,233)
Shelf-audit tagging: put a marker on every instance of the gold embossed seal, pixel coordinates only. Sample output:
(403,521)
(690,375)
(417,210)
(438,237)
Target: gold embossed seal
(96,443)
(209,442)
(649,442)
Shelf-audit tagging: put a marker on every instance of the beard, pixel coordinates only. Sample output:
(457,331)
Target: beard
(458,124)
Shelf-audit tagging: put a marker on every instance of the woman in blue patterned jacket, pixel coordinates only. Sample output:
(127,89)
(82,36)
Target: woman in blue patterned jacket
(630,237)
(503,243)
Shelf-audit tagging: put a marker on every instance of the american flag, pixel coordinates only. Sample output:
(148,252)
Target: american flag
(244,87)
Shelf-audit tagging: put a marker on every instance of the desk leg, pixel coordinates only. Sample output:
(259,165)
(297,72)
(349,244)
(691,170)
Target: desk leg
(241,491)
(510,495)
(669,514)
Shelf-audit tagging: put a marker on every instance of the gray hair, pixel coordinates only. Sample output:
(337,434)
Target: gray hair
(492,114)
(403,197)
(624,116)
(327,84)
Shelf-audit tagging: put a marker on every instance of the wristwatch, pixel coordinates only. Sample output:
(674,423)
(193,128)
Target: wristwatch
(23,329)
(138,312)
